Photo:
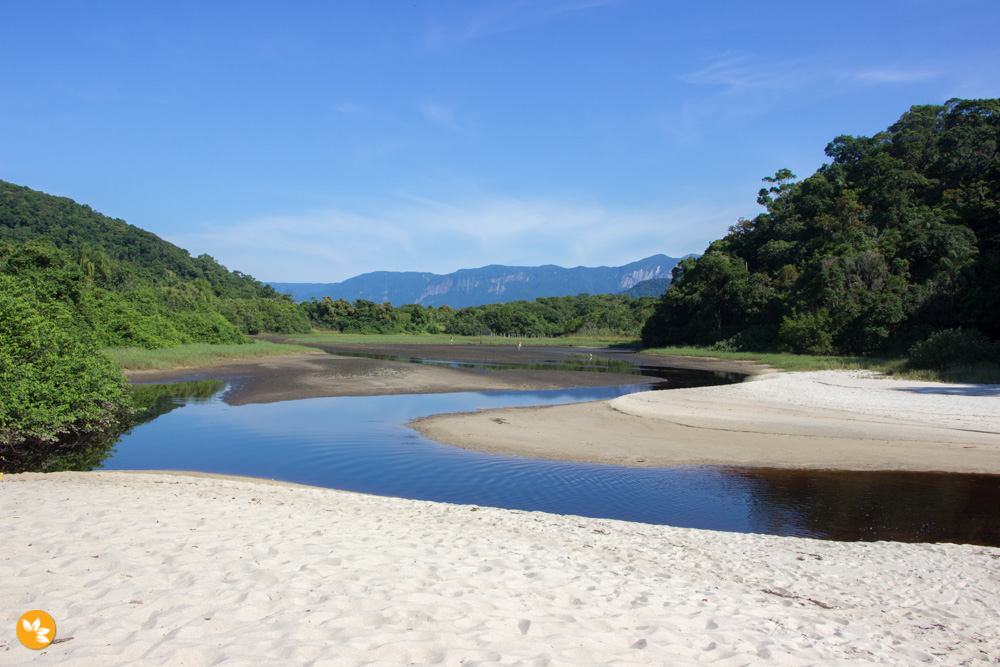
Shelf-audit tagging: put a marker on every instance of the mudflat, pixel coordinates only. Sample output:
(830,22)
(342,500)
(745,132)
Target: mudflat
(296,377)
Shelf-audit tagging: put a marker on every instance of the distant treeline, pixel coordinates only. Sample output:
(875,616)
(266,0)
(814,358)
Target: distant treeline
(602,314)
(892,247)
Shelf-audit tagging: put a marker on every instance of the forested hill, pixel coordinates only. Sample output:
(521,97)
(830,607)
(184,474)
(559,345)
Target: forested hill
(122,286)
(485,285)
(27,214)
(652,287)
(894,242)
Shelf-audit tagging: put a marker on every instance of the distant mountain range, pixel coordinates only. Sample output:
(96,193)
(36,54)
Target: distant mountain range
(489,284)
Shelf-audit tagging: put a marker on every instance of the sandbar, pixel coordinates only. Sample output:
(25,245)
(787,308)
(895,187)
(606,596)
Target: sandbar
(845,420)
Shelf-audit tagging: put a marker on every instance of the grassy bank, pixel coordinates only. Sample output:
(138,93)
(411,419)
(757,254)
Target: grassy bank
(416,339)
(893,366)
(199,355)
(204,355)
(896,367)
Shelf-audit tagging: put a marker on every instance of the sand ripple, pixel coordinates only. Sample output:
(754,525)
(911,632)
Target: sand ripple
(169,570)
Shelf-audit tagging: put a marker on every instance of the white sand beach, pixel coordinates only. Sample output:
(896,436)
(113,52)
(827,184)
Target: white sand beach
(843,420)
(142,568)
(185,569)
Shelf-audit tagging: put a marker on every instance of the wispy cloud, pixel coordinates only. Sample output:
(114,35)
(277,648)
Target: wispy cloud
(347,108)
(742,86)
(305,246)
(892,74)
(742,73)
(443,117)
(416,234)
(505,17)
(746,74)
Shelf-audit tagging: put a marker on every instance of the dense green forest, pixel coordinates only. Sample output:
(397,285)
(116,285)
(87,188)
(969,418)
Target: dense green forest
(893,246)
(603,314)
(127,286)
(655,287)
(73,281)
(26,214)
(58,393)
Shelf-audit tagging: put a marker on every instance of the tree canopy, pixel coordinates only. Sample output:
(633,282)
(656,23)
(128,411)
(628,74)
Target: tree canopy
(602,314)
(27,214)
(127,286)
(896,238)
(73,281)
(56,390)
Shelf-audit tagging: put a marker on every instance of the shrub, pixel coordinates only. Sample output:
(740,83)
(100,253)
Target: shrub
(810,332)
(755,338)
(953,347)
(56,389)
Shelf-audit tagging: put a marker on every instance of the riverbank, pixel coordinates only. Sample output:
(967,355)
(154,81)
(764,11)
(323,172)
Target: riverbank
(200,355)
(847,420)
(172,569)
(295,377)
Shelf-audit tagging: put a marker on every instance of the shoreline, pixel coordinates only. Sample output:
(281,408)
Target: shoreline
(197,568)
(170,569)
(824,420)
(814,420)
(295,377)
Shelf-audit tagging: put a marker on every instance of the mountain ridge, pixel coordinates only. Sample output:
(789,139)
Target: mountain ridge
(494,283)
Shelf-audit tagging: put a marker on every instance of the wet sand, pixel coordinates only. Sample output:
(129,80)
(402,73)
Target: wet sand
(312,376)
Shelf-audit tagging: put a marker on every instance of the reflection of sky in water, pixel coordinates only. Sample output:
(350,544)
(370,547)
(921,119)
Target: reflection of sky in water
(360,444)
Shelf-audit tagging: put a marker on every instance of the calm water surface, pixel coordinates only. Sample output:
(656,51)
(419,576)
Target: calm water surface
(360,444)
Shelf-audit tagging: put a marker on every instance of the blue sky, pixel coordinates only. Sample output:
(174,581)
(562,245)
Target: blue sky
(314,141)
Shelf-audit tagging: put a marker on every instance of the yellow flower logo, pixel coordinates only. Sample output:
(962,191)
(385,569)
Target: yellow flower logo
(36,629)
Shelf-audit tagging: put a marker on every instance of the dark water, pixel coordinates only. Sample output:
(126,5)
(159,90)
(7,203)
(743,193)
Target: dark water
(360,444)
(586,363)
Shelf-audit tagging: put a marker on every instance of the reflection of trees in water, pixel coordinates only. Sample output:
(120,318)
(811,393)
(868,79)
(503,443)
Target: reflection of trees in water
(869,506)
(152,400)
(84,453)
(578,362)
(148,402)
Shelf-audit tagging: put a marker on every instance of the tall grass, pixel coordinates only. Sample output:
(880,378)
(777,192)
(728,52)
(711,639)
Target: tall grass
(418,339)
(198,355)
(204,355)
(791,362)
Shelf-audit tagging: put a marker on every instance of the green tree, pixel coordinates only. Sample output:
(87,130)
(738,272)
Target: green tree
(57,392)
(897,236)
